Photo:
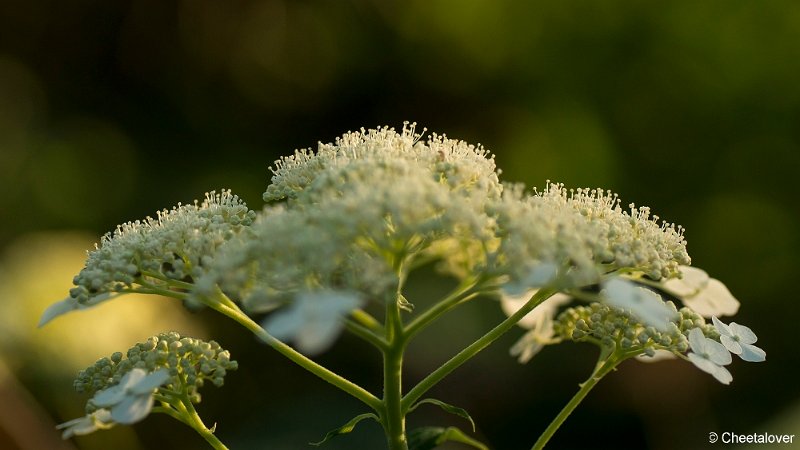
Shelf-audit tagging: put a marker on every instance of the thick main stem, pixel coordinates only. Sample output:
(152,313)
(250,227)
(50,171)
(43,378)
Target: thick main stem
(601,371)
(393,416)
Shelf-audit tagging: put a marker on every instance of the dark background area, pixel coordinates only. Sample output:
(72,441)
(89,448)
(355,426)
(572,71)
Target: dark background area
(110,111)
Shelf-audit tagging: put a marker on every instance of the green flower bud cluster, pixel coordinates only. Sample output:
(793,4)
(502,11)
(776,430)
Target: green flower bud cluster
(190,362)
(176,245)
(614,328)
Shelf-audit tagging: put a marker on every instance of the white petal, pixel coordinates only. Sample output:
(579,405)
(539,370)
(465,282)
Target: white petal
(57,309)
(109,397)
(100,419)
(103,416)
(731,344)
(132,409)
(79,426)
(714,300)
(723,329)
(283,324)
(549,307)
(660,355)
(541,275)
(702,362)
(717,352)
(532,343)
(643,303)
(697,340)
(745,334)
(313,320)
(150,382)
(315,339)
(751,353)
(69,304)
(132,378)
(720,373)
(538,276)
(692,281)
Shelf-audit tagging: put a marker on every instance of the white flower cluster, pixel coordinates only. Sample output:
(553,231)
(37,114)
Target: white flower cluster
(356,209)
(343,221)
(586,232)
(177,244)
(461,166)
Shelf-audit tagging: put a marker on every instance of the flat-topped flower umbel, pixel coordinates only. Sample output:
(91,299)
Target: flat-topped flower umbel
(343,229)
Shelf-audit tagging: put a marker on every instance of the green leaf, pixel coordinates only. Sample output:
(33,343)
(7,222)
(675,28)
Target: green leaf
(346,428)
(460,412)
(428,438)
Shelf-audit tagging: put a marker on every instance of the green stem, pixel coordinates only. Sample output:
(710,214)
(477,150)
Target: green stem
(364,319)
(601,371)
(198,425)
(228,308)
(393,417)
(465,291)
(473,349)
(172,413)
(365,334)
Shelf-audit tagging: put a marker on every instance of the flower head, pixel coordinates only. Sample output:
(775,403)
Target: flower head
(188,361)
(355,208)
(460,166)
(123,388)
(176,245)
(585,230)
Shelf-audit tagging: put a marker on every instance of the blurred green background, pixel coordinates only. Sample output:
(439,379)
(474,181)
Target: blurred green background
(112,110)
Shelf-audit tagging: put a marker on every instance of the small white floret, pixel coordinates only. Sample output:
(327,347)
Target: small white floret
(739,340)
(132,398)
(709,356)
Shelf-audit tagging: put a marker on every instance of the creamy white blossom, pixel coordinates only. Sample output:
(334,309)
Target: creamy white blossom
(98,420)
(585,229)
(707,296)
(457,164)
(354,208)
(739,340)
(132,399)
(709,356)
(539,322)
